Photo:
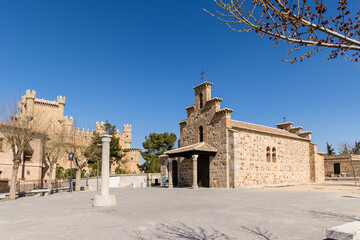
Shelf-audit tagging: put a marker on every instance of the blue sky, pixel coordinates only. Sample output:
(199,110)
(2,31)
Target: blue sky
(137,62)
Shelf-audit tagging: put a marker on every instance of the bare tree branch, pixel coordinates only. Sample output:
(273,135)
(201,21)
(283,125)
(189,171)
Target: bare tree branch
(303,24)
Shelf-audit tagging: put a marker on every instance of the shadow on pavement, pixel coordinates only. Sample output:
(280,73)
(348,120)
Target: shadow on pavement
(262,233)
(338,216)
(183,231)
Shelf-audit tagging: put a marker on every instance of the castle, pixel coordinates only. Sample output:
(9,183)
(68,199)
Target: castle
(51,115)
(216,151)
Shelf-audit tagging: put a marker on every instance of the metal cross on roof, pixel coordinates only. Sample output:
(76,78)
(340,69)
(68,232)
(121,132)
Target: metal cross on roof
(284,118)
(202,75)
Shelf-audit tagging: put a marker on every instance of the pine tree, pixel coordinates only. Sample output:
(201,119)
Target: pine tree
(356,148)
(330,150)
(94,151)
(156,144)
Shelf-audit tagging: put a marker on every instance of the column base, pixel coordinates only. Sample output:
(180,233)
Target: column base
(195,187)
(104,201)
(171,186)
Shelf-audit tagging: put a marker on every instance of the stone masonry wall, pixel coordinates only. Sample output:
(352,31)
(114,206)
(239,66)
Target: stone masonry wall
(185,172)
(215,135)
(320,172)
(345,165)
(133,160)
(250,161)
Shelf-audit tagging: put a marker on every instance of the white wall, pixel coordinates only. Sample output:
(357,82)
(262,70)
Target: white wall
(120,181)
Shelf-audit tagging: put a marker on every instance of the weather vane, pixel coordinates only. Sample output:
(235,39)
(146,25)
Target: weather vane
(202,75)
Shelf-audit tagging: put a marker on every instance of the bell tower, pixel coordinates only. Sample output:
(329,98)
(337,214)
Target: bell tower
(202,94)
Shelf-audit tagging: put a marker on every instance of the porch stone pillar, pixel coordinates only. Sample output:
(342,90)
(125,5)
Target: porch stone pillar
(170,173)
(194,158)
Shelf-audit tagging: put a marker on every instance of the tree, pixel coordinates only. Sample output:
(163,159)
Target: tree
(347,148)
(93,154)
(330,149)
(66,173)
(59,172)
(80,163)
(18,133)
(120,170)
(78,144)
(156,144)
(344,148)
(356,149)
(55,149)
(94,151)
(302,23)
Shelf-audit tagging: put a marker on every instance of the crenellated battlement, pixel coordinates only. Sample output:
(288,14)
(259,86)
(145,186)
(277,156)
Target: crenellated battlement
(30,94)
(61,100)
(46,102)
(60,127)
(127,128)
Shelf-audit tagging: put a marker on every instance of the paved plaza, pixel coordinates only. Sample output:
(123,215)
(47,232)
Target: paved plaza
(180,213)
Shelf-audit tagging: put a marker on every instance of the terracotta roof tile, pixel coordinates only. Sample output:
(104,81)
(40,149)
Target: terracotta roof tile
(264,129)
(202,147)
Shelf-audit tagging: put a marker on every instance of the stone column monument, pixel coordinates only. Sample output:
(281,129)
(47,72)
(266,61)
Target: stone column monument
(105,200)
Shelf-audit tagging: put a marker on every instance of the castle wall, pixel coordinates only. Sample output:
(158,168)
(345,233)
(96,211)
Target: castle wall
(51,116)
(32,170)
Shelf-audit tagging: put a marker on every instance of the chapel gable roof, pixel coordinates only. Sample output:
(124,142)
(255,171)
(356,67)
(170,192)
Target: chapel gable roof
(264,129)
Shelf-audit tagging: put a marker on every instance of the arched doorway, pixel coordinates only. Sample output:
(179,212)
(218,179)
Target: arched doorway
(175,173)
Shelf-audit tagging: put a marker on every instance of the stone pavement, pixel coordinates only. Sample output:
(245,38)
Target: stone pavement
(179,213)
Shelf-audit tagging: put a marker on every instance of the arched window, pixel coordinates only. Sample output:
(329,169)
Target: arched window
(268,155)
(201,100)
(201,134)
(274,154)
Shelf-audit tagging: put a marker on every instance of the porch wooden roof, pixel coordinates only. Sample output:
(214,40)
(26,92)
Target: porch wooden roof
(196,148)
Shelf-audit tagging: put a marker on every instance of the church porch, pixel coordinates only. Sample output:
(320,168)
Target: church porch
(189,166)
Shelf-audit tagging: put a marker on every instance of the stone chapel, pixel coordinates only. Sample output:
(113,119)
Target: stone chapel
(218,152)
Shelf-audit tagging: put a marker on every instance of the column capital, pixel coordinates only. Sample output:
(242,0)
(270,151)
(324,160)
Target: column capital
(194,157)
(106,138)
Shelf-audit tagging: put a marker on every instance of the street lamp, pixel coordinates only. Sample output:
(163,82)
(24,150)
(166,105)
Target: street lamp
(71,156)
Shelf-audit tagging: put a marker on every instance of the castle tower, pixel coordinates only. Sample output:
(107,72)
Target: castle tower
(29,103)
(126,137)
(61,101)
